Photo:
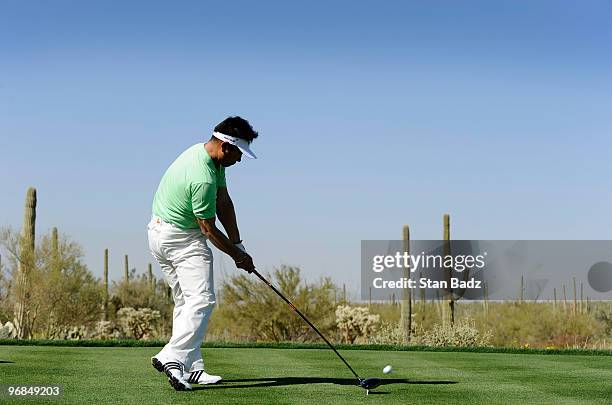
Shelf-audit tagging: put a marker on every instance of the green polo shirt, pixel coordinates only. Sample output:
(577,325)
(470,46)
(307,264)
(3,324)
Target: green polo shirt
(189,189)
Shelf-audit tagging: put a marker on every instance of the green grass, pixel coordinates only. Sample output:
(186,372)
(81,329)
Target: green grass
(291,345)
(312,376)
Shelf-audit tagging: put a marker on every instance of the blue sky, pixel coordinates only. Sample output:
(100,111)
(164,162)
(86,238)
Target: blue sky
(371,116)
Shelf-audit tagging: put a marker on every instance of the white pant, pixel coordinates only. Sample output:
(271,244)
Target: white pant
(187,264)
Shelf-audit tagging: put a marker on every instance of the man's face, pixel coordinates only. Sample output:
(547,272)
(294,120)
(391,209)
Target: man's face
(231,154)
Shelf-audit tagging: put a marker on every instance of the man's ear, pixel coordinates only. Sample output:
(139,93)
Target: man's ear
(226,147)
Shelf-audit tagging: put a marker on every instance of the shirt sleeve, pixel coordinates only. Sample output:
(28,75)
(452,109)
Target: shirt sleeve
(221,177)
(203,200)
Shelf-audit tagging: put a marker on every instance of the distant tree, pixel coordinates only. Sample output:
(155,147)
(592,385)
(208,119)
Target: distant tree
(6,304)
(61,291)
(255,311)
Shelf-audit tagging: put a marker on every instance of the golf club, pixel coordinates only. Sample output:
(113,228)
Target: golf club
(368,383)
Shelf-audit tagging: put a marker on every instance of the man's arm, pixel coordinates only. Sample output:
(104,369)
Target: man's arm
(209,228)
(227,214)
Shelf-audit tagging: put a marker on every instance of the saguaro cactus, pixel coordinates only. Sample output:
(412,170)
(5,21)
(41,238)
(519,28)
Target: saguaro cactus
(485,301)
(581,298)
(406,302)
(55,245)
(126,271)
(151,280)
(449,307)
(574,307)
(106,284)
(26,263)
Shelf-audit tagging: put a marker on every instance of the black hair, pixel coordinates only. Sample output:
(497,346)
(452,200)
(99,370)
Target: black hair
(237,127)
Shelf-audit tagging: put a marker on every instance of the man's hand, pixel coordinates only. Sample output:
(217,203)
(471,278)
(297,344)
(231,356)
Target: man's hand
(245,262)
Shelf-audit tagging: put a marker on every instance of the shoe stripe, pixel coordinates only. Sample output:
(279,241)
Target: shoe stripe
(192,378)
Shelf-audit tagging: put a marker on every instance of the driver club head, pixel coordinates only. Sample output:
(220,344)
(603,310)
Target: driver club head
(370,383)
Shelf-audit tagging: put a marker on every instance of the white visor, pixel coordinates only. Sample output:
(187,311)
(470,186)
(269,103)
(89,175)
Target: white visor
(238,142)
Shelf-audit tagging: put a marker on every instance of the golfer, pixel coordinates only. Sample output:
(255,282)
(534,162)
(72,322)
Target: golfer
(190,196)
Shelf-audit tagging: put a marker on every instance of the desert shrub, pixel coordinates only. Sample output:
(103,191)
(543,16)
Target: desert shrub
(74,332)
(461,334)
(250,310)
(138,292)
(355,323)
(7,331)
(106,330)
(137,323)
(425,314)
(142,292)
(604,315)
(517,324)
(536,325)
(389,313)
(387,333)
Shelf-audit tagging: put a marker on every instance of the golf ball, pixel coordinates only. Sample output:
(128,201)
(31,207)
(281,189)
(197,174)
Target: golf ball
(387,369)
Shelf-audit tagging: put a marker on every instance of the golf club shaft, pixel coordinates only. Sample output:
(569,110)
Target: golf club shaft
(307,321)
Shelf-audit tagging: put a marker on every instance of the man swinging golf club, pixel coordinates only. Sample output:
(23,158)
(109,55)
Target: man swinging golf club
(191,194)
